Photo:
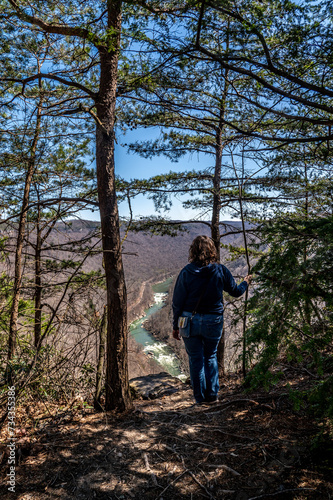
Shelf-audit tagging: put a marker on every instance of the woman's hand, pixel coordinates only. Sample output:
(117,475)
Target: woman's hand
(175,334)
(248,279)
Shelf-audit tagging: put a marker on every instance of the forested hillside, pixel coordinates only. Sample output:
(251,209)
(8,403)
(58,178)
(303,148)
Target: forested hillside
(147,259)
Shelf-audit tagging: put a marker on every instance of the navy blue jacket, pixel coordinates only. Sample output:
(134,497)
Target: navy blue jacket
(190,283)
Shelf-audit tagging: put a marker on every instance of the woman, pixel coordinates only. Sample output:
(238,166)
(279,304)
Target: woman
(198,314)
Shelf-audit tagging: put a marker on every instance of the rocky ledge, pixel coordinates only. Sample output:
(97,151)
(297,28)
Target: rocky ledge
(156,385)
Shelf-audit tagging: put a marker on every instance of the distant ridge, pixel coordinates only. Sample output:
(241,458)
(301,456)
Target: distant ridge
(146,256)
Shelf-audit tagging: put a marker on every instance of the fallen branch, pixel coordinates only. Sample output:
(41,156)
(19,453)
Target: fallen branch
(226,405)
(226,468)
(170,484)
(195,442)
(217,429)
(201,485)
(282,492)
(153,477)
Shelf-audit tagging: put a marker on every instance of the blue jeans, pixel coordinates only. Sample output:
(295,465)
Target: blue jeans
(201,347)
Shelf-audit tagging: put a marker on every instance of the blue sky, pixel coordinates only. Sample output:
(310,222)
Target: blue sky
(131,166)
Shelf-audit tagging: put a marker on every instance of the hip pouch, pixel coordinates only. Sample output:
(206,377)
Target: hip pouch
(184,325)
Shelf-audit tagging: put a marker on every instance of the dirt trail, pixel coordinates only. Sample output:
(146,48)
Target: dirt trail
(244,447)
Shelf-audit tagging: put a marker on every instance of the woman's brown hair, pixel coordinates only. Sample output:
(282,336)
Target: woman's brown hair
(202,251)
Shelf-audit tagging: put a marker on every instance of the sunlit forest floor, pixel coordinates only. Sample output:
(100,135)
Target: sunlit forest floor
(247,446)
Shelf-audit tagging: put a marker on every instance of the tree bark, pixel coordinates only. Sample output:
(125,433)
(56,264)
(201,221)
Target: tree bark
(215,231)
(100,365)
(216,235)
(240,193)
(117,387)
(215,228)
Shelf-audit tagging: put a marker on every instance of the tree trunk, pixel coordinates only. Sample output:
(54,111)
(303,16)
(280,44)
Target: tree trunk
(221,354)
(117,387)
(38,285)
(215,228)
(215,224)
(20,240)
(101,355)
(307,301)
(240,191)
(217,205)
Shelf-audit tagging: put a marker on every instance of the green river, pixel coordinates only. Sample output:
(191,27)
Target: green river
(160,351)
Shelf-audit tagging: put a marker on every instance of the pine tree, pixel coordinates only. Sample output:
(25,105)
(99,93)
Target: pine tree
(291,310)
(84,39)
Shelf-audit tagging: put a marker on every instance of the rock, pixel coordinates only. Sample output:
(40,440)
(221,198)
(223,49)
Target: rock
(155,386)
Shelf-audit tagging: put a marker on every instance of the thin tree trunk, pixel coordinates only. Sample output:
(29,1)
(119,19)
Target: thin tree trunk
(100,364)
(221,354)
(215,227)
(38,285)
(244,333)
(307,301)
(240,190)
(41,237)
(117,386)
(20,238)
(240,199)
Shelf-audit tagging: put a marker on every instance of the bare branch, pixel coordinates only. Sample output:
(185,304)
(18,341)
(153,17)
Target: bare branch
(51,76)
(273,88)
(284,73)
(57,29)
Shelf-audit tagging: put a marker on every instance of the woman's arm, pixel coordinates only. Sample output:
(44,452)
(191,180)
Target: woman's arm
(230,285)
(179,297)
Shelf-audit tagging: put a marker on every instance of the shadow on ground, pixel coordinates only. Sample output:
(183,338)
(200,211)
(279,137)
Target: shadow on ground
(239,449)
